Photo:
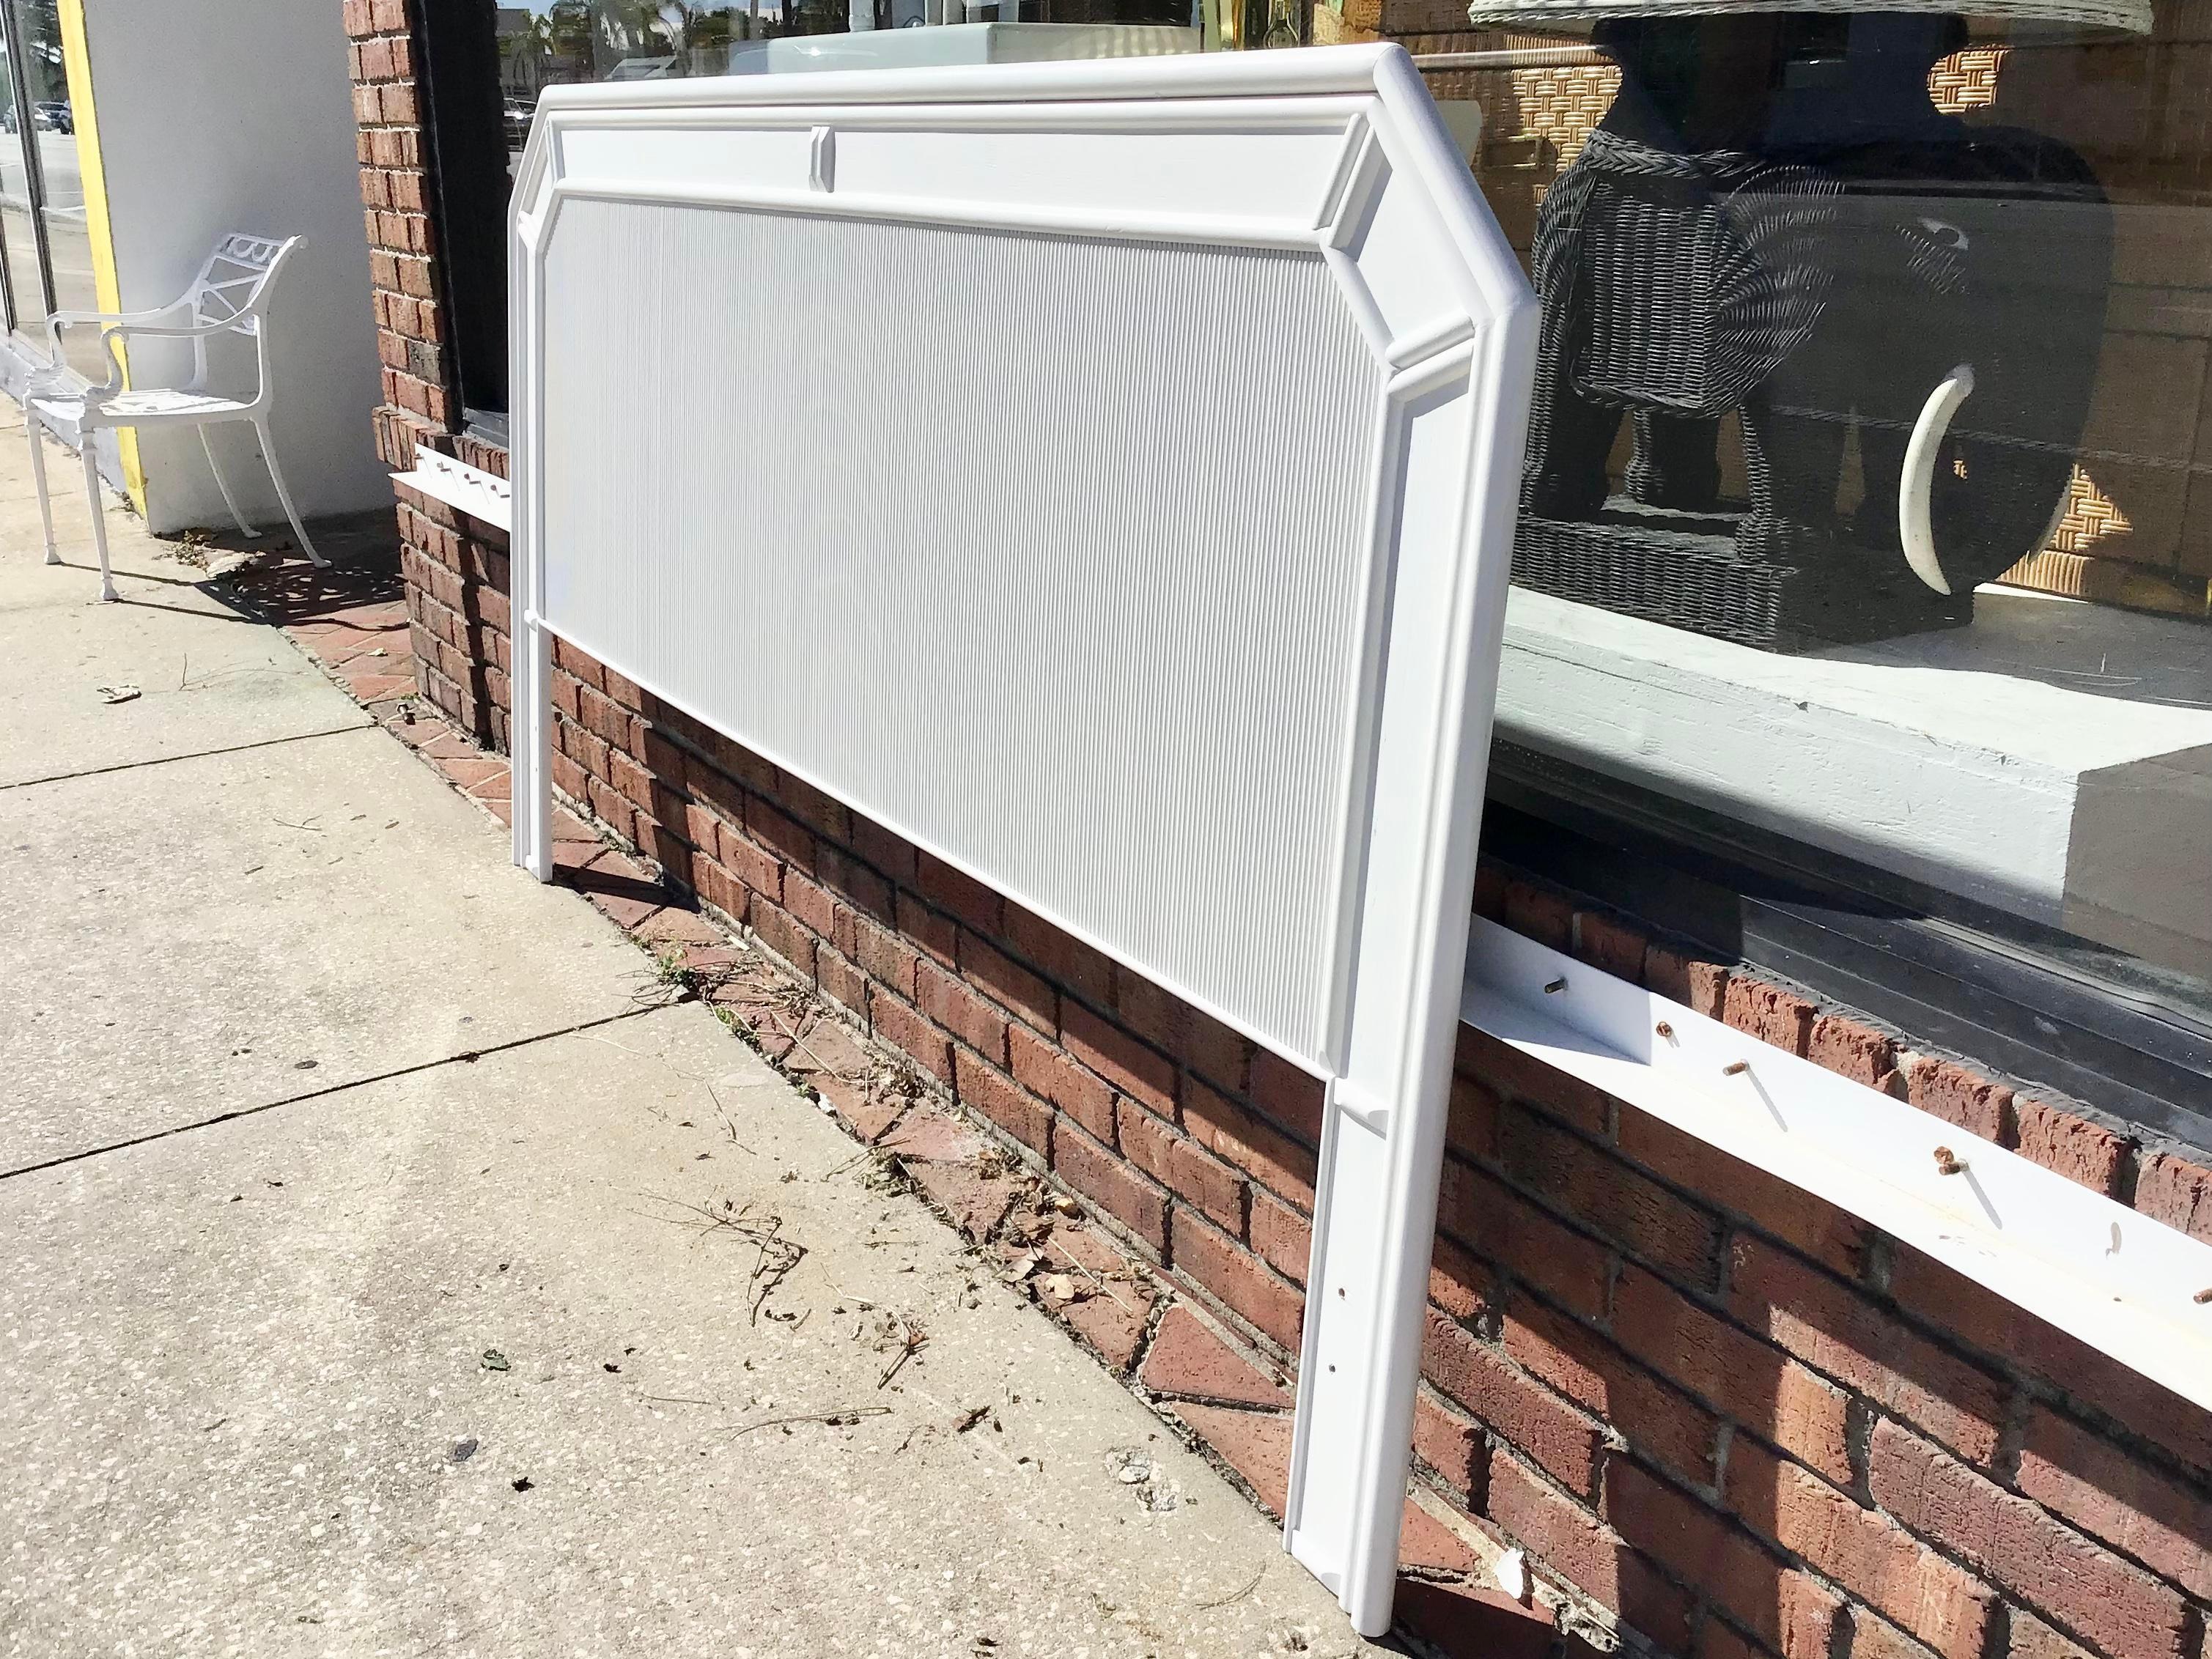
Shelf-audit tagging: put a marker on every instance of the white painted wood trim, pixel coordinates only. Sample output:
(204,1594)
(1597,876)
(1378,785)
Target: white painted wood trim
(2115,1281)
(480,494)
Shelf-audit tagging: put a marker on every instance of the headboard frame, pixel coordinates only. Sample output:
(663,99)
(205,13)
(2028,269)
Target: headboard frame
(1102,475)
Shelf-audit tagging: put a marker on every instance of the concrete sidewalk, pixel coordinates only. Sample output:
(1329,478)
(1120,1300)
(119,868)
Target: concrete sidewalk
(399,1265)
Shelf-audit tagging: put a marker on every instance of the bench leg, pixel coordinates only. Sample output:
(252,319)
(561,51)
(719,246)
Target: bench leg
(99,518)
(223,484)
(39,478)
(269,455)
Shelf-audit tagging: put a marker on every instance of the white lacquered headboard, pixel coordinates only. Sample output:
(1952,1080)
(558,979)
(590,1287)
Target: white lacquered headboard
(1103,475)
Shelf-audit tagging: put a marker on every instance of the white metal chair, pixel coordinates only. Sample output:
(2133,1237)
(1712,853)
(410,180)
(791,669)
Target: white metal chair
(230,295)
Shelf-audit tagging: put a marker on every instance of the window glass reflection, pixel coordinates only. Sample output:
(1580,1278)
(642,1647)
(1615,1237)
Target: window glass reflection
(554,43)
(25,288)
(1868,498)
(49,126)
(1868,507)
(560,41)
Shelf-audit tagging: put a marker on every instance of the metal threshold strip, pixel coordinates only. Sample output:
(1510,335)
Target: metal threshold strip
(2125,1284)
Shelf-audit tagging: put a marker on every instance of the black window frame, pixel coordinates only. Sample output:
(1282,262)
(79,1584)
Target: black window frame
(466,154)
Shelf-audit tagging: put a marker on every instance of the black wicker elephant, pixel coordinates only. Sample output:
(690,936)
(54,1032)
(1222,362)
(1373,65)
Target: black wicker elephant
(1835,257)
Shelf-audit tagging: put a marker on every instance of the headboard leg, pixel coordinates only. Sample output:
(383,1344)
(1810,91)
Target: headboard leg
(532,742)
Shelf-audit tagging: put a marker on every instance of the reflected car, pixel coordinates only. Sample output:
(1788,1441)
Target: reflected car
(53,115)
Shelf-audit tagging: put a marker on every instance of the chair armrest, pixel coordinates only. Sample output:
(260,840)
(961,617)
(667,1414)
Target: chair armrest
(77,318)
(193,332)
(59,321)
(112,333)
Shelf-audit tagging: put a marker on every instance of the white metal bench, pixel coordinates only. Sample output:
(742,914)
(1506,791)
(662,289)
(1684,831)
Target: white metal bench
(230,295)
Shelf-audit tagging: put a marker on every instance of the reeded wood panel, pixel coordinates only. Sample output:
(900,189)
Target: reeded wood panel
(1048,553)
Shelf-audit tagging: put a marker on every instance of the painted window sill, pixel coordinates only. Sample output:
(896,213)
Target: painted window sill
(2053,760)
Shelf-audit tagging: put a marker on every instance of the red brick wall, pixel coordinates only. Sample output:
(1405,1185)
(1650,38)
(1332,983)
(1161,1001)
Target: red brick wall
(1693,1378)
(1743,1421)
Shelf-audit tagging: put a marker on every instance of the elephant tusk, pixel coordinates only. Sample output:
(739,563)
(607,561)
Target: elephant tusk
(1916,486)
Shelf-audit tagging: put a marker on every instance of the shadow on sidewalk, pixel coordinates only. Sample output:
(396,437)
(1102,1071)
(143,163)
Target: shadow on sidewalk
(281,587)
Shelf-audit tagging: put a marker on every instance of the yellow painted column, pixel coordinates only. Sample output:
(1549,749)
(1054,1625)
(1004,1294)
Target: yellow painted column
(76,59)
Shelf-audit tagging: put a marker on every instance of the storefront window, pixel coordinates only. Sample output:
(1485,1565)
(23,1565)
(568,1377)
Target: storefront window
(19,241)
(1866,523)
(49,123)
(555,42)
(547,44)
(45,239)
(489,64)
(1867,503)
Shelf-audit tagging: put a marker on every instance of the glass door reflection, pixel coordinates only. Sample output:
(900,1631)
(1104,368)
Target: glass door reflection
(24,282)
(47,125)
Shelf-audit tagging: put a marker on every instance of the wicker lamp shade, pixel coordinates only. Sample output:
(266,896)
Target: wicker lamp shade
(2131,16)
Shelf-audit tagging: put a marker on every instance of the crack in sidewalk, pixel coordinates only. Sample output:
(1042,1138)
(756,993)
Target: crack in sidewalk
(466,1057)
(197,754)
